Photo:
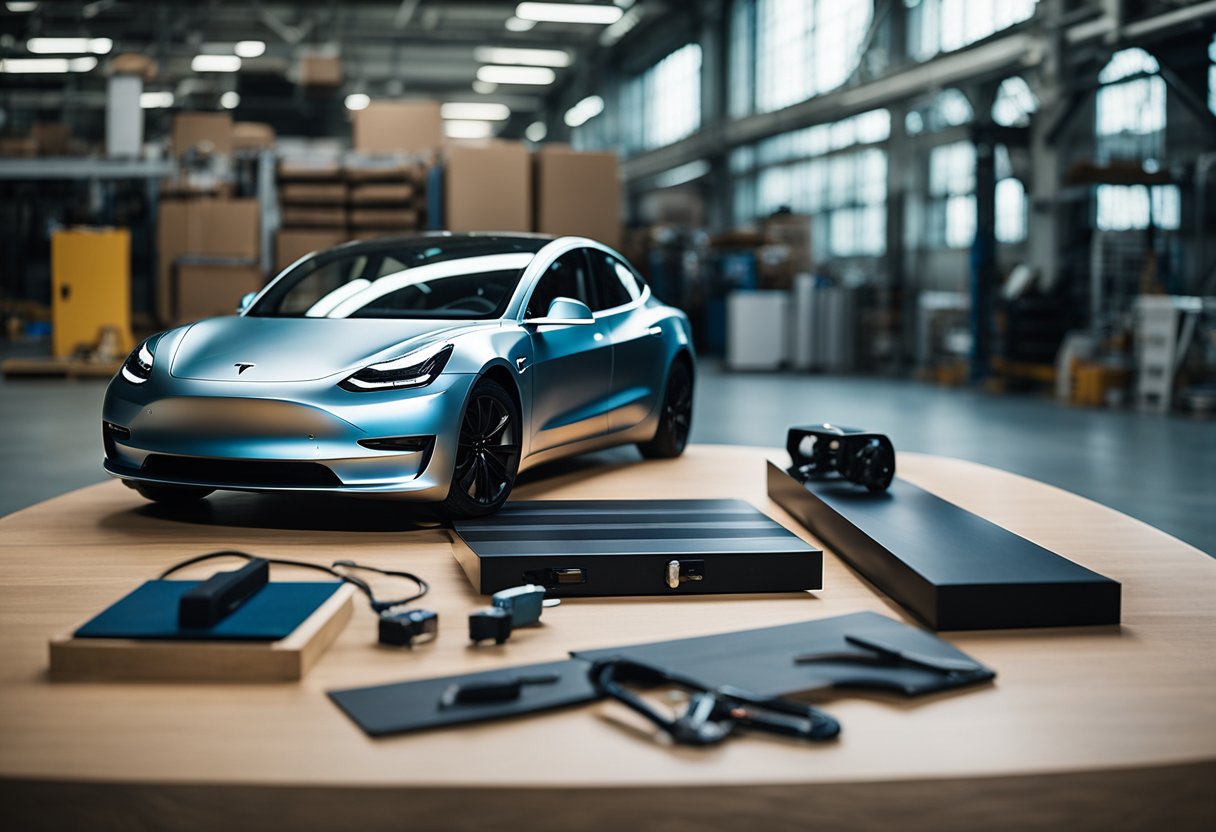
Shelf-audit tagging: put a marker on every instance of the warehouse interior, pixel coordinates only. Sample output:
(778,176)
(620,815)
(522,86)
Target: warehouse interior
(431,304)
(1000,209)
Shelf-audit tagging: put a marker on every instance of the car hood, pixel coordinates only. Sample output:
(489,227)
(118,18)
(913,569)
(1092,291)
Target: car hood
(299,349)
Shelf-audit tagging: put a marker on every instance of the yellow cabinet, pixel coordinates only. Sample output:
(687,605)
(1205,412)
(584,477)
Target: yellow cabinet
(90,287)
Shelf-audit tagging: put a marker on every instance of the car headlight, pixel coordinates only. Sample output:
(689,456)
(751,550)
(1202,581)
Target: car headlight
(138,367)
(416,369)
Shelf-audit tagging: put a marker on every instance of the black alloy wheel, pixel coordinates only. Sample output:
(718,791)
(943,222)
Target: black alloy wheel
(487,453)
(675,418)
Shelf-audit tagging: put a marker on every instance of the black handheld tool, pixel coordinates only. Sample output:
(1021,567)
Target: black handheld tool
(214,599)
(861,456)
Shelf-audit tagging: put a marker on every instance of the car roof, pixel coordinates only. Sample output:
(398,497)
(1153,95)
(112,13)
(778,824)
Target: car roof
(514,241)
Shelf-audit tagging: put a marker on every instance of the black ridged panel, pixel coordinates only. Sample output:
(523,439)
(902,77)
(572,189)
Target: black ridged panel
(624,546)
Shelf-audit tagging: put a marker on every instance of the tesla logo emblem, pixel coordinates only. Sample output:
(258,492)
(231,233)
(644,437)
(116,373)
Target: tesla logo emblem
(241,368)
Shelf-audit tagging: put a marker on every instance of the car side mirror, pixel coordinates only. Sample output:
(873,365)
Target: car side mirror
(564,312)
(245,302)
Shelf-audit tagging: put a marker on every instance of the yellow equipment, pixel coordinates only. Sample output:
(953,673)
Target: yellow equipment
(90,288)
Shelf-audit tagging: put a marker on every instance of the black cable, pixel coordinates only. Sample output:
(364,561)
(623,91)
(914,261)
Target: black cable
(360,584)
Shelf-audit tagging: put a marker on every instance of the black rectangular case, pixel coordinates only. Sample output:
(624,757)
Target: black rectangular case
(635,547)
(952,569)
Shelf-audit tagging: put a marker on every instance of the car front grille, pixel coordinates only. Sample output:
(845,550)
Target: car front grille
(269,473)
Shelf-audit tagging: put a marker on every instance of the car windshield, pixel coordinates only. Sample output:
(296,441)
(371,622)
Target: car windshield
(436,277)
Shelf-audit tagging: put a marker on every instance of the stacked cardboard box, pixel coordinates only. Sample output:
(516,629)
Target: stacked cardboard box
(578,194)
(398,127)
(203,227)
(386,195)
(487,187)
(787,251)
(312,200)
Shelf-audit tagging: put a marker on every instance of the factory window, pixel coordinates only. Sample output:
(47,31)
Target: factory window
(1132,207)
(951,207)
(1014,103)
(742,58)
(1130,108)
(827,172)
(663,104)
(1212,76)
(945,25)
(948,108)
(1010,211)
(801,48)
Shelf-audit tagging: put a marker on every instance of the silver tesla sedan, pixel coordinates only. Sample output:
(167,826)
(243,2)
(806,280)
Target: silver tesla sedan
(433,367)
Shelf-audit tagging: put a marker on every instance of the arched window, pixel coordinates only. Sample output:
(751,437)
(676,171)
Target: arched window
(1014,103)
(1130,125)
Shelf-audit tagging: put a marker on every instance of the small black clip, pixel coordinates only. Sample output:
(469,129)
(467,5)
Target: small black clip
(518,606)
(488,691)
(401,629)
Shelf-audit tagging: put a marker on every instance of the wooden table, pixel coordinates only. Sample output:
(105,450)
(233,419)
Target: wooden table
(1102,728)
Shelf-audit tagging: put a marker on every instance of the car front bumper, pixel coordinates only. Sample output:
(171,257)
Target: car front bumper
(284,436)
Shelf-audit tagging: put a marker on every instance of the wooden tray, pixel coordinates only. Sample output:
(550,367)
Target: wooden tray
(132,660)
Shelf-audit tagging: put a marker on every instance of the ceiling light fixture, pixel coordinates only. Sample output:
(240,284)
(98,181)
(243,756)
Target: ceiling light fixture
(514,24)
(622,27)
(468,129)
(249,48)
(19,8)
(69,46)
(484,87)
(534,75)
(536,131)
(357,101)
(34,65)
(528,57)
(475,111)
(155,100)
(230,100)
(583,111)
(47,66)
(215,63)
(568,13)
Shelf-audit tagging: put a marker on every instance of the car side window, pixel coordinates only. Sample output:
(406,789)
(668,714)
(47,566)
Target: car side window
(566,277)
(615,283)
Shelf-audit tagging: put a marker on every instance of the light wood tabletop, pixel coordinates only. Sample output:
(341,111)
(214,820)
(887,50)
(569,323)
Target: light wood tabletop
(1111,727)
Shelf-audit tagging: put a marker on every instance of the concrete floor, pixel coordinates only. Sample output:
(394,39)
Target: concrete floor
(1158,469)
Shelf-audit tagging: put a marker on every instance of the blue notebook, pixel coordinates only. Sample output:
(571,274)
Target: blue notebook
(151,612)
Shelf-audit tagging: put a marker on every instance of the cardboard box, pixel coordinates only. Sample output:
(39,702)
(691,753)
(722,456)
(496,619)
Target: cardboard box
(23,146)
(252,135)
(404,219)
(290,244)
(304,169)
(360,168)
(398,127)
(53,138)
(793,231)
(578,194)
(204,290)
(207,132)
(487,187)
(314,215)
(315,71)
(378,193)
(204,227)
(132,63)
(325,193)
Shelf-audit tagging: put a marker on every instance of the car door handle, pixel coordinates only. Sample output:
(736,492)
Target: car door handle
(655,330)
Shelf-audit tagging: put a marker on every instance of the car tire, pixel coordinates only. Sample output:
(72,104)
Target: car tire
(675,416)
(170,494)
(487,453)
